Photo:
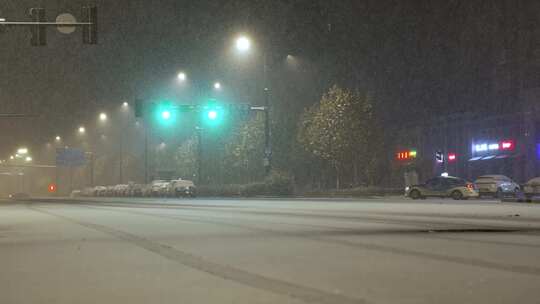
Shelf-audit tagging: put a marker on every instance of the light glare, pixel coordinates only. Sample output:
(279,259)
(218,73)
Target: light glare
(182,76)
(212,115)
(22,151)
(166,114)
(243,44)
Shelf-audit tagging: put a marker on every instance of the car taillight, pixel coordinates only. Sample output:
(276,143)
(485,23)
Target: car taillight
(470,186)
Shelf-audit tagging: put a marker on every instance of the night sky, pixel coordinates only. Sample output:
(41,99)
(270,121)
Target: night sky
(419,58)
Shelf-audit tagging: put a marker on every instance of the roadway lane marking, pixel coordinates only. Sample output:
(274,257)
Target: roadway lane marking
(306,294)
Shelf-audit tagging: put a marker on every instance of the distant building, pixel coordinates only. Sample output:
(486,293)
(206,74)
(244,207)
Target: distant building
(473,145)
(507,141)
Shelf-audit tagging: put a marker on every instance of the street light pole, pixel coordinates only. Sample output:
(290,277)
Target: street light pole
(267,148)
(121,173)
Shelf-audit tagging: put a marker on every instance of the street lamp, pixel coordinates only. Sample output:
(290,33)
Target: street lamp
(82,130)
(11,157)
(125,104)
(182,76)
(58,138)
(243,44)
(103,116)
(217,85)
(28,159)
(22,151)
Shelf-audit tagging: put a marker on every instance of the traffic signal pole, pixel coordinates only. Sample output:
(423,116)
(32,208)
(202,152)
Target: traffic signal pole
(146,153)
(199,154)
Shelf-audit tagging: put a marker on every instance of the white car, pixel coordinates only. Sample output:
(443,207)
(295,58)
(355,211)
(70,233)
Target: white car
(159,188)
(120,190)
(496,185)
(100,191)
(182,187)
(532,188)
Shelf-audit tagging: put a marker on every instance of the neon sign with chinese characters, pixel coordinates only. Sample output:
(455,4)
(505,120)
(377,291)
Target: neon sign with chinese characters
(504,145)
(406,155)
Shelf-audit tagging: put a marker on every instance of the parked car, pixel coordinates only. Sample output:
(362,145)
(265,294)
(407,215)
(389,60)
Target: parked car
(146,190)
(496,185)
(156,187)
(532,188)
(135,190)
(109,191)
(75,193)
(442,186)
(19,196)
(164,189)
(120,190)
(183,187)
(100,191)
(88,191)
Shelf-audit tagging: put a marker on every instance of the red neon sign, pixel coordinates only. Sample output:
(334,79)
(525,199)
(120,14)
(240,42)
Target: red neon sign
(507,145)
(402,155)
(51,188)
(452,157)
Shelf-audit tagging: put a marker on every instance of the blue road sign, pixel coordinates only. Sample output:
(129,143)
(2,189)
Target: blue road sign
(70,157)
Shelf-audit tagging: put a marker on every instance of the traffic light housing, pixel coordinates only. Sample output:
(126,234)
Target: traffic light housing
(38,32)
(212,114)
(165,113)
(89,31)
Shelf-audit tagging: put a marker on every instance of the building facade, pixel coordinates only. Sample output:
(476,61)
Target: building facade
(469,146)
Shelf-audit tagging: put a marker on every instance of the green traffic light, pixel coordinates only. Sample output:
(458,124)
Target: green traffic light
(212,114)
(166,115)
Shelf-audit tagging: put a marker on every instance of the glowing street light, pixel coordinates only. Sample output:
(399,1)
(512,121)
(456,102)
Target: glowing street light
(22,151)
(182,76)
(125,104)
(82,130)
(243,44)
(217,85)
(28,159)
(58,138)
(103,116)
(11,157)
